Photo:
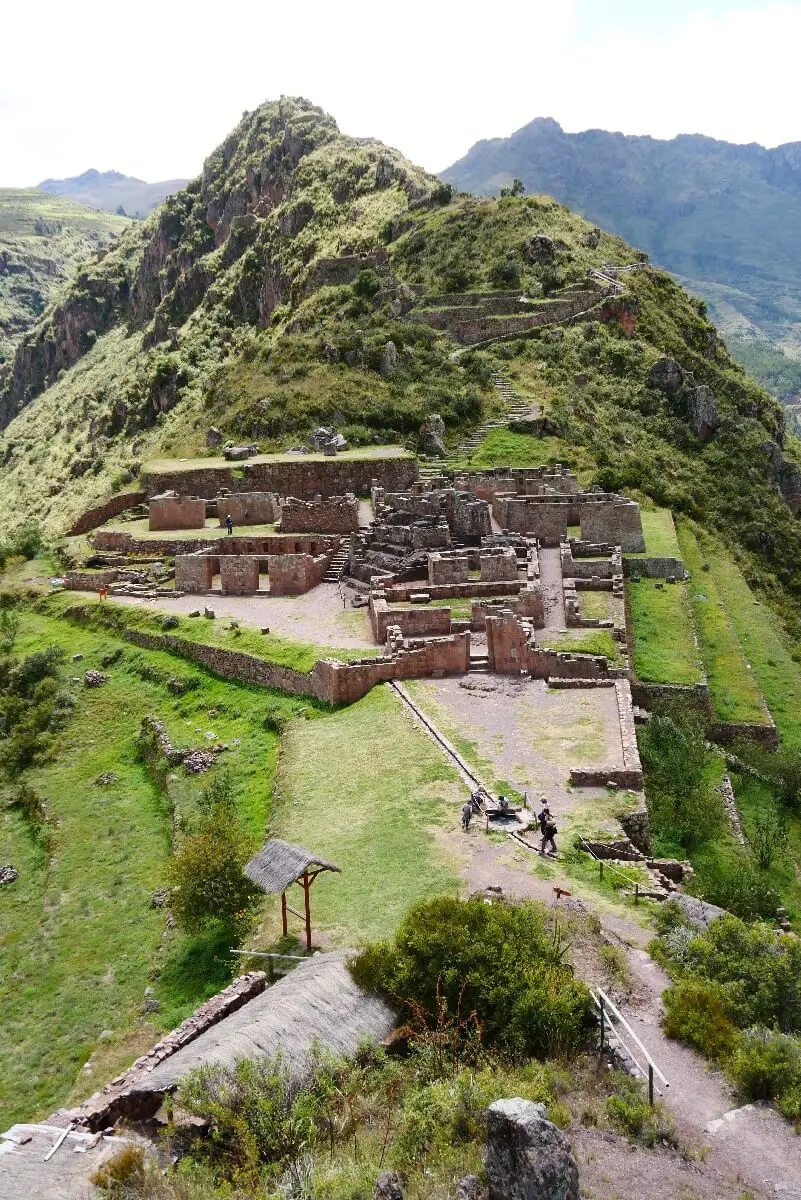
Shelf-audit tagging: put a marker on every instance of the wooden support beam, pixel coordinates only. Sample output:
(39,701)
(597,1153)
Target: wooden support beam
(283,913)
(306,886)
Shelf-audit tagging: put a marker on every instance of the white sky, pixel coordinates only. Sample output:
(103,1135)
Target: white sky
(150,89)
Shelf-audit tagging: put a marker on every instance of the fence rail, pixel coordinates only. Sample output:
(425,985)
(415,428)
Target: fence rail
(609,1013)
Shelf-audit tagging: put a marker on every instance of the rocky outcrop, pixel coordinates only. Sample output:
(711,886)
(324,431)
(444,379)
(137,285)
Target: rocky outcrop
(703,412)
(388,363)
(432,436)
(540,249)
(528,1158)
(666,376)
(388,1187)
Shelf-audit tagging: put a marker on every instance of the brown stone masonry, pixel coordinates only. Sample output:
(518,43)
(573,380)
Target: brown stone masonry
(176,512)
(248,508)
(94,517)
(302,477)
(332,514)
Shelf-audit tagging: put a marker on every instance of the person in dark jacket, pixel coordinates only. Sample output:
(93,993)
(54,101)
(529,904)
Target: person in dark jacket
(229,523)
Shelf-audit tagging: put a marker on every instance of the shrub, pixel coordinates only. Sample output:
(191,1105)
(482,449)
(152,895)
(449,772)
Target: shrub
(767,1066)
(504,274)
(497,966)
(694,1013)
(737,885)
(768,838)
(629,1112)
(366,284)
(9,628)
(442,193)
(122,1175)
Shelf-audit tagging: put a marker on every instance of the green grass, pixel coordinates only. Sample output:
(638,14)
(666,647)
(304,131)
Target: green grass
(596,606)
(502,447)
(212,529)
(664,650)
(734,692)
(659,532)
(300,656)
(586,642)
(759,631)
(79,941)
(384,828)
(785,872)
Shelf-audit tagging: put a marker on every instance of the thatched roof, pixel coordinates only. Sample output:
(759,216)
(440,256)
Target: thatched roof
(318,1003)
(279,864)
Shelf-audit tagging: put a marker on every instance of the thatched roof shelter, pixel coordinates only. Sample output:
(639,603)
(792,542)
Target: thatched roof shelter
(318,1003)
(280,864)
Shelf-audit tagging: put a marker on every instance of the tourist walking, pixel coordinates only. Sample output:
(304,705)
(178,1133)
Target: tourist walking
(229,523)
(548,832)
(467,815)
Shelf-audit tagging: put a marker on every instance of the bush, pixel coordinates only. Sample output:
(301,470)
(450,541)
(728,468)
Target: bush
(206,874)
(695,1014)
(122,1175)
(442,194)
(629,1112)
(495,967)
(737,885)
(366,284)
(767,1066)
(504,274)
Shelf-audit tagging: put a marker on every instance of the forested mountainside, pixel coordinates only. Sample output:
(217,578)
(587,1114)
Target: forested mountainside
(112,191)
(43,238)
(308,277)
(716,214)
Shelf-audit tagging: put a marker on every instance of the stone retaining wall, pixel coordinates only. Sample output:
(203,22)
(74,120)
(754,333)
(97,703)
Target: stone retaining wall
(248,508)
(176,512)
(302,477)
(263,544)
(293,574)
(93,517)
(332,514)
(765,735)
(654,568)
(395,592)
(90,581)
(418,622)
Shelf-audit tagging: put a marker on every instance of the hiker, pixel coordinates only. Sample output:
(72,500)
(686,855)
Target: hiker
(548,835)
(229,523)
(467,815)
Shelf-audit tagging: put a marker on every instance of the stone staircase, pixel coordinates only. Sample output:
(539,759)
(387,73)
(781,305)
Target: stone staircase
(336,568)
(517,411)
(479,664)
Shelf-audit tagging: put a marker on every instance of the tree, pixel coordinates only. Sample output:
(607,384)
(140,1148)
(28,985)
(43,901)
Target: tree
(517,188)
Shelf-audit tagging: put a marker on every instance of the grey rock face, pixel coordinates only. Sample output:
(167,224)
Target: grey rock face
(432,436)
(666,376)
(540,249)
(389,359)
(388,1187)
(213,437)
(703,411)
(528,1158)
(8,873)
(468,1188)
(238,453)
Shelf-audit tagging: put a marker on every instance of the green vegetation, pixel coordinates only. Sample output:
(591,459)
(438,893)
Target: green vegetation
(43,239)
(586,642)
(502,447)
(734,693)
(384,829)
(497,967)
(659,532)
(736,1000)
(596,606)
(664,648)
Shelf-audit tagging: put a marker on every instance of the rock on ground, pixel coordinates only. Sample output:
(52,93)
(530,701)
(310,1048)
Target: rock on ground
(432,436)
(528,1158)
(667,376)
(703,411)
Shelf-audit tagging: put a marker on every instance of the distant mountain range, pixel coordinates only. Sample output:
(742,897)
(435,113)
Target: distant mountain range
(723,217)
(112,191)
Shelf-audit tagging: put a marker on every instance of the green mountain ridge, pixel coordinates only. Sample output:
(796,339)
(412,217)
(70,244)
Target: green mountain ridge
(263,299)
(43,238)
(111,190)
(716,214)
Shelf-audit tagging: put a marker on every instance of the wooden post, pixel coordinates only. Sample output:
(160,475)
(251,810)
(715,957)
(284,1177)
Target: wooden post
(308,910)
(283,912)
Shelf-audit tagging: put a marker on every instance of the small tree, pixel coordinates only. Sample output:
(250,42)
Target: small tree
(768,838)
(517,188)
(206,875)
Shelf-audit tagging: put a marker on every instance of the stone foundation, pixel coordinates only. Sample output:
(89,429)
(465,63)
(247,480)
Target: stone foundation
(304,477)
(334,514)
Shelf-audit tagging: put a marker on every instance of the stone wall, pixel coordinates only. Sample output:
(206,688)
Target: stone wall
(90,581)
(93,517)
(650,695)
(263,544)
(420,621)
(239,574)
(628,771)
(529,605)
(497,565)
(615,521)
(765,735)
(332,514)
(303,476)
(543,517)
(176,512)
(448,568)
(654,568)
(193,573)
(511,650)
(330,681)
(248,508)
(395,592)
(469,518)
(294,574)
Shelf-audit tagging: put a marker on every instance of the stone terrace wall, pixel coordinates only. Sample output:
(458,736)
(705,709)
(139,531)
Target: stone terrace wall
(299,477)
(90,581)
(264,544)
(193,573)
(395,592)
(654,568)
(615,521)
(293,574)
(176,512)
(420,621)
(334,514)
(239,574)
(248,508)
(93,517)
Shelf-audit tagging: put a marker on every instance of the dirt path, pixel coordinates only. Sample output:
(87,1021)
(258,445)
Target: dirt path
(318,616)
(551,588)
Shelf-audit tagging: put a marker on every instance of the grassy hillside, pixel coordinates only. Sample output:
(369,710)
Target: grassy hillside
(714,213)
(43,238)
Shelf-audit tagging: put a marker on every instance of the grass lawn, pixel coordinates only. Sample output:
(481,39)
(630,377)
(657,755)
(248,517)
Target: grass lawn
(385,828)
(760,635)
(659,533)
(211,530)
(501,447)
(80,941)
(596,606)
(165,465)
(586,641)
(733,689)
(664,650)
(271,647)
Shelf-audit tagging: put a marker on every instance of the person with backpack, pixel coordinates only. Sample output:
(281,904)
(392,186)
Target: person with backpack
(548,831)
(467,815)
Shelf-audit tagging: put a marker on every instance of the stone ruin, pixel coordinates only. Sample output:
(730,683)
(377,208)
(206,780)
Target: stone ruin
(171,511)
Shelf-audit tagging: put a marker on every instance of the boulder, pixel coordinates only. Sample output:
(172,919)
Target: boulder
(388,363)
(666,376)
(388,1187)
(468,1188)
(593,238)
(432,436)
(540,249)
(528,1158)
(213,437)
(8,873)
(327,441)
(237,453)
(703,411)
